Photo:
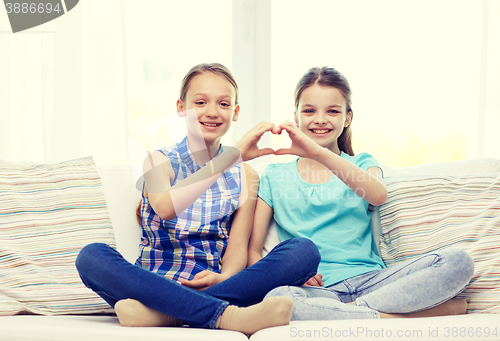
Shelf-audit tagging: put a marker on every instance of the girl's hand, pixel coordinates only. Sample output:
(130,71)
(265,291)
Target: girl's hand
(247,145)
(314,281)
(302,145)
(204,280)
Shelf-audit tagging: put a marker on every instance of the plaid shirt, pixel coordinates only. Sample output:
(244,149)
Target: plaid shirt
(196,239)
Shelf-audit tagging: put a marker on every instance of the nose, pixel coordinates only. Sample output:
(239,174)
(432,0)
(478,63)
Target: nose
(212,110)
(320,119)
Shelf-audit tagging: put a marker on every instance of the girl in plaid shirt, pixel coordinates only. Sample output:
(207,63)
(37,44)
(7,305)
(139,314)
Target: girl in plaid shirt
(197,213)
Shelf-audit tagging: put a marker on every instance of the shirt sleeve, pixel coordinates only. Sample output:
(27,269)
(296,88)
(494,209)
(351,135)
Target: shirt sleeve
(366,161)
(265,189)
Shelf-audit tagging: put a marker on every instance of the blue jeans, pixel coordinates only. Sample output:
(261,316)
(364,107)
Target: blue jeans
(105,271)
(403,288)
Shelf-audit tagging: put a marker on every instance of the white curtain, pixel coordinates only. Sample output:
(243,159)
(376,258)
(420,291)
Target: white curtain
(63,87)
(425,74)
(88,81)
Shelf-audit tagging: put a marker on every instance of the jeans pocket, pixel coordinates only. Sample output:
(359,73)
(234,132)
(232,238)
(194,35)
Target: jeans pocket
(302,293)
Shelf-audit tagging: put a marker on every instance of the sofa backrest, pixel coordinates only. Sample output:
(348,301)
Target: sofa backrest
(123,196)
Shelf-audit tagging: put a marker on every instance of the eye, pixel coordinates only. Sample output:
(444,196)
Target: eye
(199,102)
(225,104)
(308,111)
(332,111)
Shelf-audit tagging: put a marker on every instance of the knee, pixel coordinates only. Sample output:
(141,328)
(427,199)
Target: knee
(306,251)
(462,263)
(89,257)
(467,264)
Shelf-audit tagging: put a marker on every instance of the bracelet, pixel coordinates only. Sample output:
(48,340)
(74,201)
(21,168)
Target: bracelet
(212,167)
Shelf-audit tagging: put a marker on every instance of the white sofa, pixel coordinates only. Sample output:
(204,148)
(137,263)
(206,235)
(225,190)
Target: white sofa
(122,197)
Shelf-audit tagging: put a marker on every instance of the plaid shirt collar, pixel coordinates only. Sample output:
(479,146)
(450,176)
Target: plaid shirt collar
(187,156)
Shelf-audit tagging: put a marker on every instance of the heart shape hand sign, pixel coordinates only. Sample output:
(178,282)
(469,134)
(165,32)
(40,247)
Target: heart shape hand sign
(301,144)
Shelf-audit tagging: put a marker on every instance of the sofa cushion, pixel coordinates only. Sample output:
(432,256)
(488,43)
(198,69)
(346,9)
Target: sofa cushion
(122,199)
(455,168)
(471,327)
(433,212)
(101,328)
(48,212)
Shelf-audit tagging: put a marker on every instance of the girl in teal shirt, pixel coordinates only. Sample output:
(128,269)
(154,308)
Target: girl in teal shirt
(324,196)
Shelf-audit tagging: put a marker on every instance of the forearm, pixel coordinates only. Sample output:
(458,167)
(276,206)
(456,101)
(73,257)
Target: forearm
(253,257)
(236,255)
(234,262)
(216,166)
(171,201)
(256,244)
(364,184)
(262,217)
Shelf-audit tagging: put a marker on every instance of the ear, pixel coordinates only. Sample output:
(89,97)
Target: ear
(296,118)
(348,119)
(236,112)
(180,108)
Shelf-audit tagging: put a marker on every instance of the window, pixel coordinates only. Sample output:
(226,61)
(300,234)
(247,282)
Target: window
(173,37)
(414,68)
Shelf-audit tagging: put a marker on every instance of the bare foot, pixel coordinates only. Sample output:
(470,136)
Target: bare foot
(274,311)
(454,306)
(133,313)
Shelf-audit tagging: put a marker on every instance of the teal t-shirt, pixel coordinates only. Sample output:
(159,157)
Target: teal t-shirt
(330,214)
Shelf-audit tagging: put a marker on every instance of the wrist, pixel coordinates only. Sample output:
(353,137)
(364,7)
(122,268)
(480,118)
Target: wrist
(253,258)
(224,276)
(239,149)
(319,154)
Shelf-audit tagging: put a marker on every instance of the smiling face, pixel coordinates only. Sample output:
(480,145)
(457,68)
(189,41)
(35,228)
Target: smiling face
(321,115)
(213,99)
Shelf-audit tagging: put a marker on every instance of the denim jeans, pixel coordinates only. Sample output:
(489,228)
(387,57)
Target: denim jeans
(403,288)
(105,271)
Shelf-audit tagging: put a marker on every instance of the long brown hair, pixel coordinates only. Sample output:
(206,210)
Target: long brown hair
(327,76)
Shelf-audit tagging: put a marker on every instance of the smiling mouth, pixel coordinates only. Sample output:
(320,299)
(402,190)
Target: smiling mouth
(321,131)
(211,124)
